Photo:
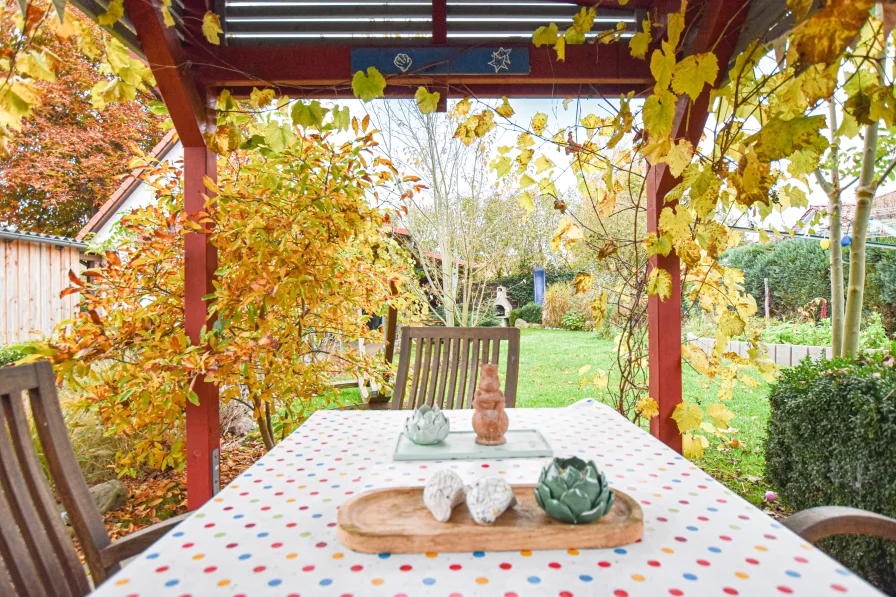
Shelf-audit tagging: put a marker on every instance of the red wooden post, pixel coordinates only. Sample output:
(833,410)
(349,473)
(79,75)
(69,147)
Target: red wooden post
(717,30)
(200,263)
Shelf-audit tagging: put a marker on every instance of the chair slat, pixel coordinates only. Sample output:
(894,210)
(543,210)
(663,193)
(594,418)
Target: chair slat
(23,508)
(22,573)
(66,556)
(446,369)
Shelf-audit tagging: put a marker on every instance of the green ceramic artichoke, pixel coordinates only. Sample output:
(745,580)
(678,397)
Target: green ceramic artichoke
(427,425)
(572,490)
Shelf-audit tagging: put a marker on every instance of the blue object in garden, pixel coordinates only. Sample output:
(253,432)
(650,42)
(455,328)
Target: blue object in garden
(845,241)
(538,276)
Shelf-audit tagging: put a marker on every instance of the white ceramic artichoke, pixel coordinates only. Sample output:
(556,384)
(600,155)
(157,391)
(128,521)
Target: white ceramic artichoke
(443,492)
(427,426)
(489,498)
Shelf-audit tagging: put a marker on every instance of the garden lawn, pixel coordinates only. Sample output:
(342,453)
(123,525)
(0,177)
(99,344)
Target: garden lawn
(550,361)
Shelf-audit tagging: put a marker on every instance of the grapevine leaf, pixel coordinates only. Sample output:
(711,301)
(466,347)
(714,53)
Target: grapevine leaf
(112,14)
(539,121)
(368,87)
(505,109)
(692,446)
(647,407)
(277,136)
(308,115)
(341,118)
(427,102)
(582,282)
(599,309)
(719,415)
(688,416)
(542,164)
(693,73)
(640,41)
(526,202)
(659,283)
(545,36)
(659,114)
(259,98)
(211,28)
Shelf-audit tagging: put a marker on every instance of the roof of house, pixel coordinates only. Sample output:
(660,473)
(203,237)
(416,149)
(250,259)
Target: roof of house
(124,190)
(10,234)
(883,208)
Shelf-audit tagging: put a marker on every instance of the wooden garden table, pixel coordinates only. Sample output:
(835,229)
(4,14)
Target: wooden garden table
(272,532)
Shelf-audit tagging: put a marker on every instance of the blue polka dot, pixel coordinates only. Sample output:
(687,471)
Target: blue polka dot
(715,550)
(385,556)
(275,582)
(478,554)
(534,580)
(429,581)
(693,529)
(620,551)
(262,534)
(713,509)
(793,573)
(316,515)
(585,578)
(178,534)
(238,516)
(844,572)
(326,582)
(172,582)
(152,556)
(689,576)
(245,556)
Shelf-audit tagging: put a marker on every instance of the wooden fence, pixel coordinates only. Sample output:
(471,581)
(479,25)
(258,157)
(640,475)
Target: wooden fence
(784,355)
(32,274)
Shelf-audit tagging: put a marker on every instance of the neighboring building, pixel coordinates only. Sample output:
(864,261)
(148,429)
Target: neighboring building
(132,194)
(34,270)
(881,224)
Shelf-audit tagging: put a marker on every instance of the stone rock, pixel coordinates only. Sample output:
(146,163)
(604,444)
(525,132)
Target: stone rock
(489,498)
(535,326)
(521,324)
(109,496)
(443,492)
(241,426)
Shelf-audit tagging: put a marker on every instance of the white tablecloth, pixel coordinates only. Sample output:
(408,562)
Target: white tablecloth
(272,532)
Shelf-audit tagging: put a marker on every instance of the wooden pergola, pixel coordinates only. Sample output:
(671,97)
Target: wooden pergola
(311,49)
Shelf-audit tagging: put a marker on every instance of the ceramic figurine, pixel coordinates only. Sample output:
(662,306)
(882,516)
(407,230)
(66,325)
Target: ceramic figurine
(572,490)
(443,492)
(489,498)
(490,419)
(427,426)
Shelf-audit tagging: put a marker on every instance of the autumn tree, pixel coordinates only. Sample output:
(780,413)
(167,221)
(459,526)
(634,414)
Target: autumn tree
(69,155)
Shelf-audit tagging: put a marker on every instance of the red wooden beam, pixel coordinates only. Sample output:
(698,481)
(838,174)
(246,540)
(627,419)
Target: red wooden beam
(174,77)
(720,22)
(439,22)
(313,67)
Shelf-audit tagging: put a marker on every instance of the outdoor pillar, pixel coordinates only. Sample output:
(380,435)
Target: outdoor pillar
(664,323)
(200,263)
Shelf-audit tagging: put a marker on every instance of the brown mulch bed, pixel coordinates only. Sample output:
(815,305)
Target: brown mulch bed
(159,495)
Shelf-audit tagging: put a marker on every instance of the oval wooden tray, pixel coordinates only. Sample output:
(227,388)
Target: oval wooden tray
(395,520)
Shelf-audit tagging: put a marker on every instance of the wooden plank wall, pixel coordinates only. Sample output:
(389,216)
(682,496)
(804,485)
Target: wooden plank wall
(31,277)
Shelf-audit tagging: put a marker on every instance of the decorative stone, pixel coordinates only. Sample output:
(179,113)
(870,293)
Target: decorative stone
(109,496)
(521,324)
(572,490)
(490,419)
(427,426)
(489,498)
(443,492)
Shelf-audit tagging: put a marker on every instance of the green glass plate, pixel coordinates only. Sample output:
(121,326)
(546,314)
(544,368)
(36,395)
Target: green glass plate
(461,445)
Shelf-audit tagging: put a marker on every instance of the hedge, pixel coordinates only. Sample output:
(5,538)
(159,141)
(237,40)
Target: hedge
(832,441)
(521,287)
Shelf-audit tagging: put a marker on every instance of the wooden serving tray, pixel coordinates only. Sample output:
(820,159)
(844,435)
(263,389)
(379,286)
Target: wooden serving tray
(395,520)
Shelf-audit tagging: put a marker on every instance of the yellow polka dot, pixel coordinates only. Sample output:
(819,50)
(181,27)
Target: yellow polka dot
(377,581)
(290,500)
(481,581)
(806,546)
(637,578)
(291,556)
(525,553)
(668,550)
(432,555)
(741,575)
(122,581)
(302,486)
(234,486)
(223,583)
(199,556)
(338,556)
(218,499)
(761,548)
(572,552)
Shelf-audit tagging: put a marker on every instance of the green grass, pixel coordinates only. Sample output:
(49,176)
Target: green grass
(549,377)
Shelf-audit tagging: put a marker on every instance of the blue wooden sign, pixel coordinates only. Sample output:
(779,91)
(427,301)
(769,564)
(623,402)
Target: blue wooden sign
(430,60)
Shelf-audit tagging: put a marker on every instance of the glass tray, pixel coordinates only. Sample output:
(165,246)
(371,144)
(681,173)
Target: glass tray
(461,445)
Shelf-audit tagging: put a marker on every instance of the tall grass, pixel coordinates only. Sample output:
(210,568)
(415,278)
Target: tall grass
(557,301)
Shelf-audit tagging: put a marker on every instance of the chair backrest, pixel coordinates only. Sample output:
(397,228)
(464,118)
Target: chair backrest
(440,366)
(37,556)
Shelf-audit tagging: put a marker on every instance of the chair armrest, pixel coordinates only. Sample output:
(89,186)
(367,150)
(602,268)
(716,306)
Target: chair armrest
(136,543)
(814,524)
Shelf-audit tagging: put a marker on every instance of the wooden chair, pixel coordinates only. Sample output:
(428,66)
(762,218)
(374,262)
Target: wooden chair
(815,524)
(37,556)
(446,365)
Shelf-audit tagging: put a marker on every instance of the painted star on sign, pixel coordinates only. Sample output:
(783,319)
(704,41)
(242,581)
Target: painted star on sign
(500,59)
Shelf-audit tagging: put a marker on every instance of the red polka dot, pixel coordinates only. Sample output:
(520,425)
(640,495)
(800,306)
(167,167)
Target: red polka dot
(839,588)
(653,563)
(604,564)
(307,568)
(801,560)
(406,568)
(703,562)
(753,561)
(161,568)
(724,537)
(276,545)
(554,565)
(357,568)
(676,592)
(565,594)
(620,593)
(784,589)
(210,569)
(322,544)
(455,567)
(510,595)
(505,566)
(258,569)
(730,591)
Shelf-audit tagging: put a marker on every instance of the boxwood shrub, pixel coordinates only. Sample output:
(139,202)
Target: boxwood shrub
(530,313)
(832,441)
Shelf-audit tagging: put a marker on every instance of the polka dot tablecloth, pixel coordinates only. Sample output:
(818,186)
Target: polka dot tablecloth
(272,532)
